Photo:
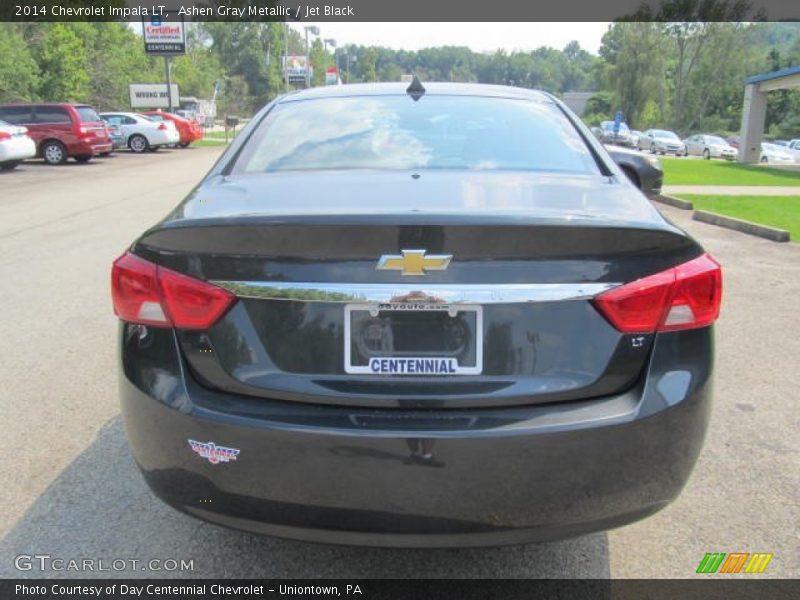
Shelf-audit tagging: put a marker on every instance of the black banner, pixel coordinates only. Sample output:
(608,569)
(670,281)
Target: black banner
(395,589)
(405,11)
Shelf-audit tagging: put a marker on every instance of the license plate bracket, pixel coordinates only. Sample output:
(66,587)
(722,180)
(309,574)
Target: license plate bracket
(413,339)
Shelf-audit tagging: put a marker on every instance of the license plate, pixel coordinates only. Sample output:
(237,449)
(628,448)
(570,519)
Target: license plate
(413,338)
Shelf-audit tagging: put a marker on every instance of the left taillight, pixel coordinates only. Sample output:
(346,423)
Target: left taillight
(4,136)
(684,297)
(149,294)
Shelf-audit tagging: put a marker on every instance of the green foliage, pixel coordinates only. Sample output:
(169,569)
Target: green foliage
(64,62)
(19,73)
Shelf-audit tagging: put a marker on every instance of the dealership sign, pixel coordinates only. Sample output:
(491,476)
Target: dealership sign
(152,95)
(295,68)
(163,37)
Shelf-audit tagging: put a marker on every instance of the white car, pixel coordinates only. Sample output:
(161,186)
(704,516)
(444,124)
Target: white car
(794,149)
(142,133)
(15,145)
(774,154)
(709,146)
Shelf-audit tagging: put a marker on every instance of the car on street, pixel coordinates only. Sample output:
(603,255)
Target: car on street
(635,135)
(622,137)
(15,145)
(661,141)
(189,130)
(709,146)
(434,315)
(644,170)
(793,148)
(775,154)
(142,133)
(60,130)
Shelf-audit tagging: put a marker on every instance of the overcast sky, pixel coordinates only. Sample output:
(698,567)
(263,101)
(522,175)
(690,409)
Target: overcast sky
(477,36)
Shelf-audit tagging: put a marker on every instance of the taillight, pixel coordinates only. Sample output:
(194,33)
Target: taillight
(683,297)
(4,136)
(162,127)
(150,294)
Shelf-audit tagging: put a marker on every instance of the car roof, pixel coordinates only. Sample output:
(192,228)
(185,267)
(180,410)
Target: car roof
(434,88)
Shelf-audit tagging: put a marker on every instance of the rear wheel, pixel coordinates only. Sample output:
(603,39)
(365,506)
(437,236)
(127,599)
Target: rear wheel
(7,166)
(83,158)
(138,143)
(764,160)
(706,154)
(54,153)
(652,148)
(632,176)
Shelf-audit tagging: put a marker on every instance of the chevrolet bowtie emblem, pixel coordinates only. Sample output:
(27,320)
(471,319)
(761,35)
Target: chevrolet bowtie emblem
(414,262)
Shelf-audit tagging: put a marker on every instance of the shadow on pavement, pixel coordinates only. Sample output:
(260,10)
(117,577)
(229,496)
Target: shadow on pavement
(100,508)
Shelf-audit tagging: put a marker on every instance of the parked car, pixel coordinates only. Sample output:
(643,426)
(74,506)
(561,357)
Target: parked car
(15,145)
(374,336)
(142,133)
(661,141)
(733,141)
(709,146)
(635,135)
(784,143)
(60,130)
(189,131)
(644,170)
(117,137)
(621,138)
(775,154)
(794,149)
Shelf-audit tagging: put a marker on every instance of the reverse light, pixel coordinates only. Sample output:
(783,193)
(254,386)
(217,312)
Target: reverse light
(684,297)
(149,294)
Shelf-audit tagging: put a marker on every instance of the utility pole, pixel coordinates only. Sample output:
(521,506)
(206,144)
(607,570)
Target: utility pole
(315,30)
(286,54)
(169,83)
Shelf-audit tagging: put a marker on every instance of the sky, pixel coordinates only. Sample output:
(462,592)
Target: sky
(479,37)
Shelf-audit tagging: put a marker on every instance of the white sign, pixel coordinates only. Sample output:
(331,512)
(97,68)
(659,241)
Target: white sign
(152,95)
(295,68)
(163,37)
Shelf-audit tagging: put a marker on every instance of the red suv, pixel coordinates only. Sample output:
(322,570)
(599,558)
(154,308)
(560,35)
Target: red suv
(61,130)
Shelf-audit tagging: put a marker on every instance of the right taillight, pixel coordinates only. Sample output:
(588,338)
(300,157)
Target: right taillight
(683,297)
(149,294)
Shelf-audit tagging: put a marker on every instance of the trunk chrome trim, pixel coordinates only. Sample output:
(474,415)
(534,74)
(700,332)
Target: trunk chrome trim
(447,293)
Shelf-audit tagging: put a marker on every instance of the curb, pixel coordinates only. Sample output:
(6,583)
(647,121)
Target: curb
(769,233)
(672,201)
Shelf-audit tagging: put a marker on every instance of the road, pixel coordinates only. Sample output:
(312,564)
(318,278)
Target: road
(71,490)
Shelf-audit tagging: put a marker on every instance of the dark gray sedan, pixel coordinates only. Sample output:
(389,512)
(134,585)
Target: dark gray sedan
(434,316)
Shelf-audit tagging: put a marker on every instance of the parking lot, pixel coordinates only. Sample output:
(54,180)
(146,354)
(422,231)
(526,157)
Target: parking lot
(71,490)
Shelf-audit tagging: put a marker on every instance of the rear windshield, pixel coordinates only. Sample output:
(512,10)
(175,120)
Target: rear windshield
(437,132)
(88,114)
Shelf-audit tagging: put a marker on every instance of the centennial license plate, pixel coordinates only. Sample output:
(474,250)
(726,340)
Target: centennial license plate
(413,338)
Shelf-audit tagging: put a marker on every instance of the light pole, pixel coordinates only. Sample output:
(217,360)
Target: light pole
(332,43)
(315,30)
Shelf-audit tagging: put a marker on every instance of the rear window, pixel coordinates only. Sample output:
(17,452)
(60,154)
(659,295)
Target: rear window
(437,132)
(87,114)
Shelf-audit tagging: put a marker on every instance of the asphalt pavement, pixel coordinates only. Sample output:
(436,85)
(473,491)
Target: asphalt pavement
(71,490)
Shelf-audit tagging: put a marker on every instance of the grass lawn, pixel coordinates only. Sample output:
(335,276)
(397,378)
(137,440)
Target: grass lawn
(220,135)
(782,212)
(681,171)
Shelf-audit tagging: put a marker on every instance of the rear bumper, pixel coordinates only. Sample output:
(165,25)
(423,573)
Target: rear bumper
(92,148)
(343,475)
(17,148)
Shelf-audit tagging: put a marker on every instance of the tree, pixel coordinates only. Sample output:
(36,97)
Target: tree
(19,73)
(64,63)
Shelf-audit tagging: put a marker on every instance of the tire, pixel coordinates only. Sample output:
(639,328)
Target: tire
(686,153)
(54,152)
(184,144)
(634,178)
(652,148)
(706,154)
(83,158)
(8,166)
(138,143)
(764,160)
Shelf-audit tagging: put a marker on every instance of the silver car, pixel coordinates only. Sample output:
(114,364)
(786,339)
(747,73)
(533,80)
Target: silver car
(661,141)
(709,146)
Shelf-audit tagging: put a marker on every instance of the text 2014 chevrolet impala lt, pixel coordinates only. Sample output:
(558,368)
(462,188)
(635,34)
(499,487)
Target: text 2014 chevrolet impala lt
(434,316)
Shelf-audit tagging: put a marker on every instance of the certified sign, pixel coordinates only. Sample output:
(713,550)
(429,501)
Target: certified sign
(163,37)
